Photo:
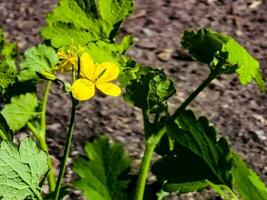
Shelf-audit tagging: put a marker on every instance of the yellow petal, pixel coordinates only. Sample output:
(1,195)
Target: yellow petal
(87,67)
(83,89)
(107,71)
(109,89)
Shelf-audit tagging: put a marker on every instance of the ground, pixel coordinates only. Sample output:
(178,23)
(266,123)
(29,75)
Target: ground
(239,112)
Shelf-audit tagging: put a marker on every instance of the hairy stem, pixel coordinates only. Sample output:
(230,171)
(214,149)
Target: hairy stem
(66,150)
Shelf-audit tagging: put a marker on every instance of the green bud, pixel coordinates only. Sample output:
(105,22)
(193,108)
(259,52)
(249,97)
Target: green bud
(67,87)
(46,75)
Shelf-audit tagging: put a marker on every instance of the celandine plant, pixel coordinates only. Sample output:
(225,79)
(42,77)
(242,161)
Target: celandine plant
(80,39)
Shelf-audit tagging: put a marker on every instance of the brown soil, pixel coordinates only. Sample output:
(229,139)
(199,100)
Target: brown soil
(239,112)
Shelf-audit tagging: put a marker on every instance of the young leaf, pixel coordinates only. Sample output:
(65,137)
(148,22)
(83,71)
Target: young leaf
(108,52)
(8,54)
(21,170)
(81,21)
(8,49)
(20,110)
(247,183)
(102,172)
(198,156)
(37,58)
(150,90)
(211,47)
(8,74)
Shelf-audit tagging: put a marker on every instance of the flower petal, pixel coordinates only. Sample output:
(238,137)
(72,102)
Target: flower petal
(109,89)
(83,89)
(107,71)
(87,66)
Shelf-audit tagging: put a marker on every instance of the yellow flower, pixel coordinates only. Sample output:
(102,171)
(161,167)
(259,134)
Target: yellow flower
(95,76)
(69,59)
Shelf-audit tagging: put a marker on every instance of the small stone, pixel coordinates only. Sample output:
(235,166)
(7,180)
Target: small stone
(136,53)
(165,55)
(239,33)
(147,44)
(255,5)
(148,32)
(54,127)
(261,134)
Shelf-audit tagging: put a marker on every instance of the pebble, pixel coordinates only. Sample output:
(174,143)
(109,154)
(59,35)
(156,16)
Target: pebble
(165,55)
(148,32)
(261,134)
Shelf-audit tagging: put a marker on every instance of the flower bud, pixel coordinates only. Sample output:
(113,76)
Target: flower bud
(46,75)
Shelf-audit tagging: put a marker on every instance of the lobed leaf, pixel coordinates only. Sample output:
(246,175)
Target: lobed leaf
(20,110)
(8,55)
(37,58)
(212,47)
(247,183)
(21,169)
(197,156)
(81,21)
(102,172)
(149,90)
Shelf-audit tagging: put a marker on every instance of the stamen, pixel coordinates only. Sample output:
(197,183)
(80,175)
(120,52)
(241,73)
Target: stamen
(101,74)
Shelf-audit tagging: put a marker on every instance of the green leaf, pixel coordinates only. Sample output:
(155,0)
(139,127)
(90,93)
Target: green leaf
(8,55)
(5,132)
(225,192)
(21,170)
(197,156)
(212,47)
(81,21)
(109,52)
(247,183)
(203,44)
(103,172)
(7,49)
(20,110)
(150,90)
(8,74)
(248,67)
(177,168)
(37,58)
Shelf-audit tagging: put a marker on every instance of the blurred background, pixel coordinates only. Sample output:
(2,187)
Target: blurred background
(239,112)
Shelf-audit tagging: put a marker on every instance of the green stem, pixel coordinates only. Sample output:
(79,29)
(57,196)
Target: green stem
(154,139)
(145,165)
(43,144)
(51,174)
(2,135)
(193,95)
(66,150)
(40,135)
(44,105)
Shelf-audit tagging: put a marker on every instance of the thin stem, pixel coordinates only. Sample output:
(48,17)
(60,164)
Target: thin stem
(43,144)
(145,165)
(66,150)
(193,95)
(42,140)
(44,105)
(2,135)
(40,135)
